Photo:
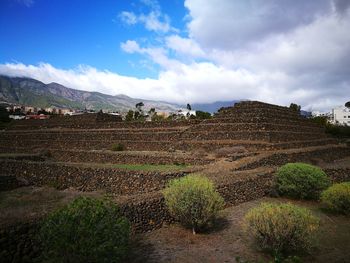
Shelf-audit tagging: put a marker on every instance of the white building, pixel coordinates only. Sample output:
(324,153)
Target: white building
(186,113)
(17,117)
(321,114)
(341,115)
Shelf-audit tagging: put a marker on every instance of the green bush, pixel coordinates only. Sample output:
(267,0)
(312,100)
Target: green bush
(281,228)
(337,198)
(301,180)
(118,147)
(86,230)
(193,201)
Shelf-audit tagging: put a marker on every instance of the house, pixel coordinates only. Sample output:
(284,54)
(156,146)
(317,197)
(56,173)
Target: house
(341,115)
(186,113)
(17,117)
(37,117)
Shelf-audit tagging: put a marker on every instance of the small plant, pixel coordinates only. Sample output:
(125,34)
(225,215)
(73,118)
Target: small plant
(86,230)
(301,180)
(337,198)
(281,228)
(193,201)
(117,147)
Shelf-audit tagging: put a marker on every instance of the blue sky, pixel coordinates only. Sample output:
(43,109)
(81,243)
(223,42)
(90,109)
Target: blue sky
(184,51)
(68,33)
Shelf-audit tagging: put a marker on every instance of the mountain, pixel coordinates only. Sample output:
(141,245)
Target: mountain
(213,107)
(31,92)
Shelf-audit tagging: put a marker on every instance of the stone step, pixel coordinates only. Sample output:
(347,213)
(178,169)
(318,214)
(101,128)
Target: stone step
(88,178)
(62,123)
(270,136)
(252,126)
(126,157)
(259,116)
(311,155)
(257,110)
(92,136)
(252,104)
(257,119)
(100,130)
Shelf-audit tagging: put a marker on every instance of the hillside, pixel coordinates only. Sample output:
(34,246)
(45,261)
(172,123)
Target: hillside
(32,92)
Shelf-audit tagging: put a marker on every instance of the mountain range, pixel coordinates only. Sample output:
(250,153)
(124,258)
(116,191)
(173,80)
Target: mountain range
(31,92)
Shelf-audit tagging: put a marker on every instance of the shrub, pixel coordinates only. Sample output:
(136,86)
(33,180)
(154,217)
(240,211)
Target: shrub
(118,147)
(193,201)
(281,228)
(86,230)
(300,180)
(337,198)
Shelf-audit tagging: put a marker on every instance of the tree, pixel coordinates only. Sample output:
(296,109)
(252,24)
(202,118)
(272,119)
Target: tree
(130,115)
(189,107)
(202,115)
(4,115)
(157,117)
(137,115)
(322,120)
(139,106)
(295,107)
(42,111)
(347,104)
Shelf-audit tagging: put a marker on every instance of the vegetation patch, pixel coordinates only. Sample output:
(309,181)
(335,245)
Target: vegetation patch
(301,180)
(337,198)
(118,147)
(281,228)
(193,201)
(87,230)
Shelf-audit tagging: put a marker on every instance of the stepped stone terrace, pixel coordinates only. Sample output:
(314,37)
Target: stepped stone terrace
(239,149)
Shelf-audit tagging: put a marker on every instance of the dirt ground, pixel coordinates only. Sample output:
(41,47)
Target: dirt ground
(228,241)
(173,243)
(27,203)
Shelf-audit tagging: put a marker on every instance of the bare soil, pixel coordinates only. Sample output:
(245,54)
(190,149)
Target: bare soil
(228,241)
(28,203)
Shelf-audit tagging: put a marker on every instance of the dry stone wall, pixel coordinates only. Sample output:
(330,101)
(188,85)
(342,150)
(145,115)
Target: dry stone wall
(114,181)
(278,159)
(125,158)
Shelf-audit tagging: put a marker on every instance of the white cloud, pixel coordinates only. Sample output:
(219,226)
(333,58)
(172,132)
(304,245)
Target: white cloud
(128,18)
(130,46)
(184,46)
(224,24)
(27,3)
(198,82)
(274,51)
(154,20)
(158,55)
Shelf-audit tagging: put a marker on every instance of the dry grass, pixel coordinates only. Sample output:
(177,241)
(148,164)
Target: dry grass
(27,203)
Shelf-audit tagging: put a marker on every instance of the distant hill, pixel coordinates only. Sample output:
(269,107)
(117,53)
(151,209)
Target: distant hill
(35,93)
(213,107)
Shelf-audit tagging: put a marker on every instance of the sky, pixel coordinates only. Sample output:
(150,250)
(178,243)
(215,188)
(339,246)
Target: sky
(184,51)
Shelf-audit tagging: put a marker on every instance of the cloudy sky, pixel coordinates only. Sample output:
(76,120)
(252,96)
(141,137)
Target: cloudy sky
(196,51)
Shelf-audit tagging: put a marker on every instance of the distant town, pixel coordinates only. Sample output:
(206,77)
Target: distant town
(22,112)
(339,115)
